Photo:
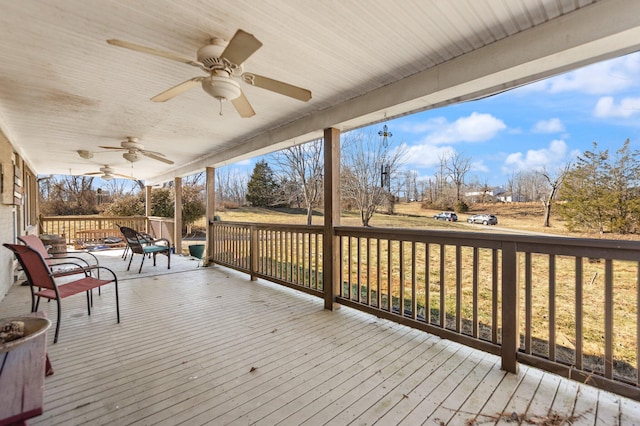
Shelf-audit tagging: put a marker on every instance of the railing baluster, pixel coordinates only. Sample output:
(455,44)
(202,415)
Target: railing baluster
(476,323)
(528,300)
(389,277)
(378,274)
(458,326)
(427,283)
(317,261)
(414,296)
(579,313)
(358,270)
(608,318)
(341,267)
(443,314)
(494,300)
(402,277)
(552,307)
(368,301)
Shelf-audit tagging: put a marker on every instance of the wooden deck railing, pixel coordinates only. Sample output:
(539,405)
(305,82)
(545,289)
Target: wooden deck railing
(69,226)
(286,254)
(570,306)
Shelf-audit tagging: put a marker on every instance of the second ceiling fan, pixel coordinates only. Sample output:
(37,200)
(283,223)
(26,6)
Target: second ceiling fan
(222,62)
(135,151)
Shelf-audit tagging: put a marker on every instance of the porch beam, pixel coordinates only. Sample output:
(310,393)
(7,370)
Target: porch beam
(177,215)
(211,212)
(330,246)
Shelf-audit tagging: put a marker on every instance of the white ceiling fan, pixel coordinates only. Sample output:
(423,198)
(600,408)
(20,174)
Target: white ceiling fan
(135,151)
(222,62)
(108,173)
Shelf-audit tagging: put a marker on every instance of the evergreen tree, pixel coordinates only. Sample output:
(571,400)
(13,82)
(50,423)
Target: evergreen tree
(263,189)
(601,192)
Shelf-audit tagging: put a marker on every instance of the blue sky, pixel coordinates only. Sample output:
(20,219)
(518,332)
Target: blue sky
(542,125)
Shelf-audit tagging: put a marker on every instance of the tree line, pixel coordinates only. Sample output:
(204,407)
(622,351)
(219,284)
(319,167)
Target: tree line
(598,192)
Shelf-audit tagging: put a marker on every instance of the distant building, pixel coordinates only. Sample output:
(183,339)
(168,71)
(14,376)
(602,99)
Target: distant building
(512,198)
(491,194)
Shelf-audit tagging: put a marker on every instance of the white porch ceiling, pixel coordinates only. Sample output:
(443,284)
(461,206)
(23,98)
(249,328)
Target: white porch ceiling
(63,88)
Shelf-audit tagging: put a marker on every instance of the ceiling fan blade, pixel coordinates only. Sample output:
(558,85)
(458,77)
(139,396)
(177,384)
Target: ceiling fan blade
(146,151)
(177,90)
(112,147)
(240,47)
(277,86)
(123,176)
(156,157)
(154,52)
(242,105)
(94,173)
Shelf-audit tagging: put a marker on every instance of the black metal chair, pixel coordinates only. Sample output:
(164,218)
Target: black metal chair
(138,243)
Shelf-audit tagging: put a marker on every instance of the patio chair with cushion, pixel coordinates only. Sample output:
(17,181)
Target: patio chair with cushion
(43,284)
(138,243)
(63,263)
(148,239)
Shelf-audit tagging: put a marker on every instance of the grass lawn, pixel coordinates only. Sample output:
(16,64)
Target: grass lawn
(512,217)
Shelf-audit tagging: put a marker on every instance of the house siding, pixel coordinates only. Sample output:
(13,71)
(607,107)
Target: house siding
(7,234)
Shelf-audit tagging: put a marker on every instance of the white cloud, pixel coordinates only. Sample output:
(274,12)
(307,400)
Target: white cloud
(425,155)
(479,166)
(602,78)
(606,107)
(549,158)
(475,128)
(553,125)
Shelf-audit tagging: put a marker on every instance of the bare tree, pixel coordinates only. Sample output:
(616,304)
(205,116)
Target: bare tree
(516,185)
(440,179)
(364,158)
(68,195)
(554,181)
(231,186)
(118,188)
(457,166)
(302,167)
(425,190)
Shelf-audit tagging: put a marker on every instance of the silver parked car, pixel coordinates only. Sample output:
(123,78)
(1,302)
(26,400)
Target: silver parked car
(485,219)
(448,216)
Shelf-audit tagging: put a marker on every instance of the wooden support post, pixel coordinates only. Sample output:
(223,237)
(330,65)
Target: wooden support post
(330,246)
(510,308)
(210,214)
(147,208)
(177,216)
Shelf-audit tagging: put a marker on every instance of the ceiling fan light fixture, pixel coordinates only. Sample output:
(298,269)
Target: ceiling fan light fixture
(107,177)
(132,157)
(221,88)
(85,154)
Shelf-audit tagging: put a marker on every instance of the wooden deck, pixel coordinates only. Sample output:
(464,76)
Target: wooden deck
(208,346)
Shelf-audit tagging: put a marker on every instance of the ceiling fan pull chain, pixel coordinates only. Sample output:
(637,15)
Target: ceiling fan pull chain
(221,101)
